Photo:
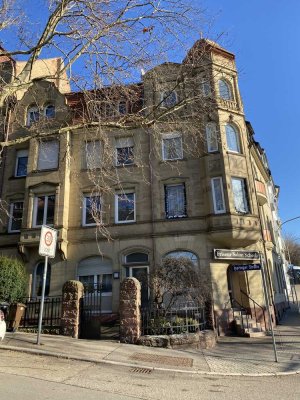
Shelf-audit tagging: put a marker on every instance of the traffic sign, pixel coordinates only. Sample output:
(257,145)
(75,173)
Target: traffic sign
(48,240)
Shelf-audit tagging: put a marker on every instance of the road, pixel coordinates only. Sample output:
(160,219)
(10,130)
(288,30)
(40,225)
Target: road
(32,377)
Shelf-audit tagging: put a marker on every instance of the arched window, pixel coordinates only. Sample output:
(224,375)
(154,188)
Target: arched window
(33,115)
(49,111)
(183,254)
(38,280)
(211,137)
(225,90)
(136,258)
(169,99)
(232,138)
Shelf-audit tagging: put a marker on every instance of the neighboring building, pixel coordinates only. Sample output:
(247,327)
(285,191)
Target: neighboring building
(180,187)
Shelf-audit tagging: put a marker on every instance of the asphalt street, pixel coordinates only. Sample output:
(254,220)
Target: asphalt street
(26,376)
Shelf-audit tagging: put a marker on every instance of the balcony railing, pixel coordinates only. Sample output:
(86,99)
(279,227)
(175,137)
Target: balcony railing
(229,104)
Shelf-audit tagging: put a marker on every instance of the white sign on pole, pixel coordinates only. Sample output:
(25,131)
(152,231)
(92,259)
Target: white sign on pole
(48,242)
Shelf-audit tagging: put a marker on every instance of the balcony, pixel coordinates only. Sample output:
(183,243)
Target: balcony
(228,104)
(261,191)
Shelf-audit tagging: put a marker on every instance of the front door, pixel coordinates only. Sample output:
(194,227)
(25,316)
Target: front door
(142,275)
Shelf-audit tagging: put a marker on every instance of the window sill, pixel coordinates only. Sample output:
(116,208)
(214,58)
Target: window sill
(124,222)
(125,165)
(17,177)
(173,160)
(235,153)
(177,217)
(36,171)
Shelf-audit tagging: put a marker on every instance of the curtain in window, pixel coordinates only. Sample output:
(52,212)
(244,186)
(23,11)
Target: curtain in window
(232,139)
(172,148)
(48,154)
(92,154)
(175,201)
(224,90)
(218,195)
(211,137)
(239,195)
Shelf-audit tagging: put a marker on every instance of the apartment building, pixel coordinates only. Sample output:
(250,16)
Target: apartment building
(123,193)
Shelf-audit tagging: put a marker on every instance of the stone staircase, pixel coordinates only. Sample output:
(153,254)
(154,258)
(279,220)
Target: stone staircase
(247,326)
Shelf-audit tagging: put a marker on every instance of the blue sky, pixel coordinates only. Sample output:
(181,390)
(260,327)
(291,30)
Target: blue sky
(264,35)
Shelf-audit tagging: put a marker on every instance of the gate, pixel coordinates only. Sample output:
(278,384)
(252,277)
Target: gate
(95,321)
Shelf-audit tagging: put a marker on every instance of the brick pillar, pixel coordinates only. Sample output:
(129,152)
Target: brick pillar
(72,292)
(130,313)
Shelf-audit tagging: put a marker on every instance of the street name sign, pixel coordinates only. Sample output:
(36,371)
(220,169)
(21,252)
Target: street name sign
(48,240)
(246,267)
(225,254)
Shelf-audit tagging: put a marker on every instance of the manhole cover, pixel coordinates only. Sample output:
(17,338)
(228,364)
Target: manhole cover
(166,360)
(141,370)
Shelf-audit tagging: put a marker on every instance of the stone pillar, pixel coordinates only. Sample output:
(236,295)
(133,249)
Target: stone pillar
(130,313)
(72,292)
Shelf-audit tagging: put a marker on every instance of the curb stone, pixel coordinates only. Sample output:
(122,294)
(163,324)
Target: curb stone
(129,365)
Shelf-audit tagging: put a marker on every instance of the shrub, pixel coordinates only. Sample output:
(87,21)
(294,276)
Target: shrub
(13,280)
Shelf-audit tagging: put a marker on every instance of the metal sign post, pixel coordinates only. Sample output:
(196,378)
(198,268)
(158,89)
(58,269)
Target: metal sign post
(47,248)
(263,275)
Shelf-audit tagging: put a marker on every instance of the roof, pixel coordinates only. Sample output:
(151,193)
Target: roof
(206,46)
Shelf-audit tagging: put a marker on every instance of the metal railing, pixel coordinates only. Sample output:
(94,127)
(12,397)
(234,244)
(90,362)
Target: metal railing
(253,310)
(184,318)
(51,314)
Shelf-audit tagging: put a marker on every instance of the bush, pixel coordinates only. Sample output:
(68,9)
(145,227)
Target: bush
(13,280)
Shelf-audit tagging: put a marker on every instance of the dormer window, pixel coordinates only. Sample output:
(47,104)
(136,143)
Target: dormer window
(169,99)
(122,107)
(33,115)
(225,91)
(49,111)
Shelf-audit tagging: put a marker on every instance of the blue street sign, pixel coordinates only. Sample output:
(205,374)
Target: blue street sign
(246,267)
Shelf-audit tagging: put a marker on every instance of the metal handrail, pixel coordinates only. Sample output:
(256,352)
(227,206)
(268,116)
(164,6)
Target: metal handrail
(255,303)
(242,308)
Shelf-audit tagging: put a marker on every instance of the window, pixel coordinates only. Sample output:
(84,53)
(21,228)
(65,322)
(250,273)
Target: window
(125,207)
(96,275)
(172,146)
(205,87)
(49,111)
(33,115)
(91,210)
(225,90)
(38,280)
(122,107)
(175,201)
(92,155)
(232,138)
(169,99)
(43,210)
(21,163)
(211,137)
(240,195)
(183,254)
(136,258)
(124,151)
(15,216)
(48,154)
(218,195)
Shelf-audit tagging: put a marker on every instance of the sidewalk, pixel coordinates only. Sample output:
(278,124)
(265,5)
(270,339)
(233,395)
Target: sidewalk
(231,356)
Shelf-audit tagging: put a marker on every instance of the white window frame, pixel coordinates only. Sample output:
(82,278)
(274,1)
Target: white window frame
(237,138)
(87,163)
(29,110)
(185,201)
(220,179)
(11,217)
(229,87)
(20,154)
(164,98)
(40,161)
(212,126)
(117,207)
(167,136)
(129,139)
(88,196)
(245,194)
(35,208)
